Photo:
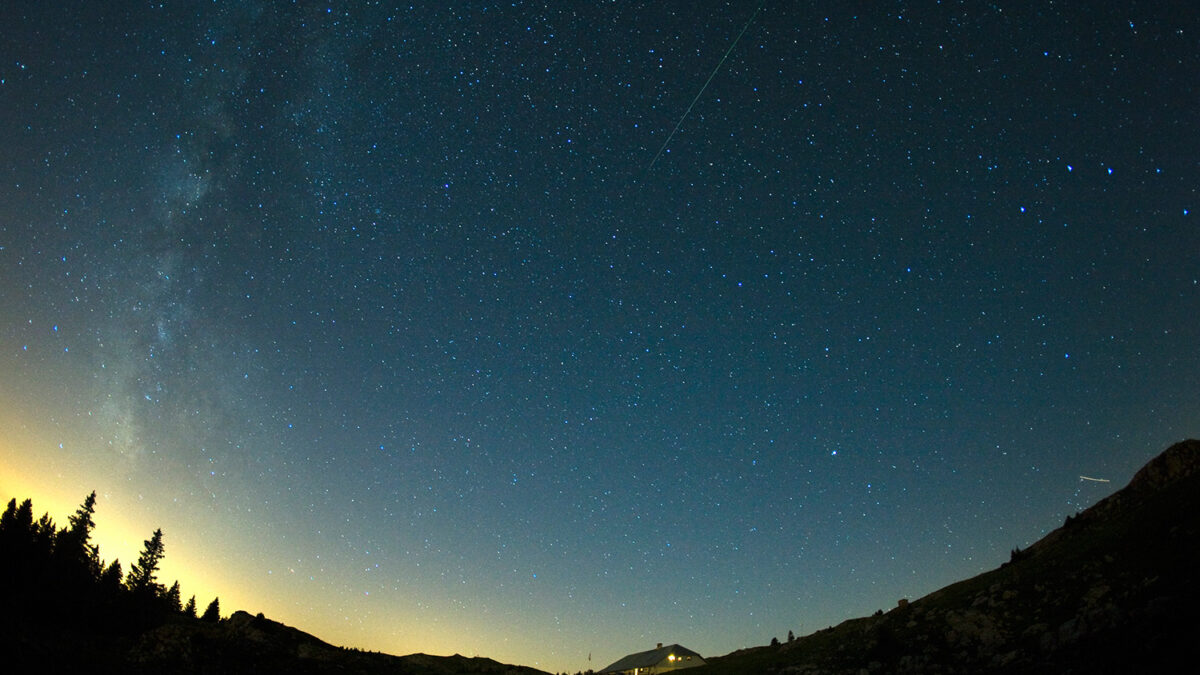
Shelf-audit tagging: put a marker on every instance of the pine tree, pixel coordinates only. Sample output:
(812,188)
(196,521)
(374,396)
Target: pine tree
(213,612)
(16,529)
(19,520)
(141,578)
(110,578)
(73,548)
(16,543)
(190,608)
(8,521)
(44,535)
(172,599)
(111,594)
(791,636)
(81,522)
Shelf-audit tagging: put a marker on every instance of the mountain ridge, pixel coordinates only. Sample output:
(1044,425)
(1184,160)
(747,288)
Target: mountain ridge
(246,643)
(1112,590)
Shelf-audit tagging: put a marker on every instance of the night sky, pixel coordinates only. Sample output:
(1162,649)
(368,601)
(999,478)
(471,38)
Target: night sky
(390,319)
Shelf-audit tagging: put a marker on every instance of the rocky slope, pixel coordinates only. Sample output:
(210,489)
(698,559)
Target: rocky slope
(1115,590)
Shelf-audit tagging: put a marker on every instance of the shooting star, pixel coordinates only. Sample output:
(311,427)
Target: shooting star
(701,92)
(1094,480)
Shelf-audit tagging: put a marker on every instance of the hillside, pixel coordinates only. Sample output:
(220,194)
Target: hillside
(1114,590)
(239,644)
(245,643)
(65,609)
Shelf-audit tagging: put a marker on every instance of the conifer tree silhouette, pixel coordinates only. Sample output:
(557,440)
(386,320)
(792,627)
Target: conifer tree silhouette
(141,579)
(110,578)
(74,542)
(171,599)
(21,520)
(213,612)
(44,535)
(8,521)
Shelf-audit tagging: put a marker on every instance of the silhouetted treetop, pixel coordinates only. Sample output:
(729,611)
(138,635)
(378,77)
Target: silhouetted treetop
(213,611)
(81,522)
(142,575)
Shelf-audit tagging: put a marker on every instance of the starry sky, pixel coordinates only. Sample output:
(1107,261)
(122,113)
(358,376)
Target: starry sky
(393,320)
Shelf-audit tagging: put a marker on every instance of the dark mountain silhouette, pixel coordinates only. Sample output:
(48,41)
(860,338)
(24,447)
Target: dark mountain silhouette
(245,643)
(239,644)
(1116,589)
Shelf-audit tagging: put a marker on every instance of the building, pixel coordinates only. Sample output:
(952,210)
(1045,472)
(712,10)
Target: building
(658,660)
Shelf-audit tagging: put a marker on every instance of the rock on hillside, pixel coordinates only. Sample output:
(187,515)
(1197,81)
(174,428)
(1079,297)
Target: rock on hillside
(1178,462)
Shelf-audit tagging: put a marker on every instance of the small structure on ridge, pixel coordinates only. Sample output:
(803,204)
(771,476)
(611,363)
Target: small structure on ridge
(658,660)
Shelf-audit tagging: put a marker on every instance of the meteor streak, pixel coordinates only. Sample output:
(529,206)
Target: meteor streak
(701,92)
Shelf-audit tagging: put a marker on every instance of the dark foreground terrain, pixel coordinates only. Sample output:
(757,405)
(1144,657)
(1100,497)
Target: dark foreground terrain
(239,644)
(245,643)
(1116,589)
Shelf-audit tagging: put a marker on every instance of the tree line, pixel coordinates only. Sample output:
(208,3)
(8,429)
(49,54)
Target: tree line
(53,578)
